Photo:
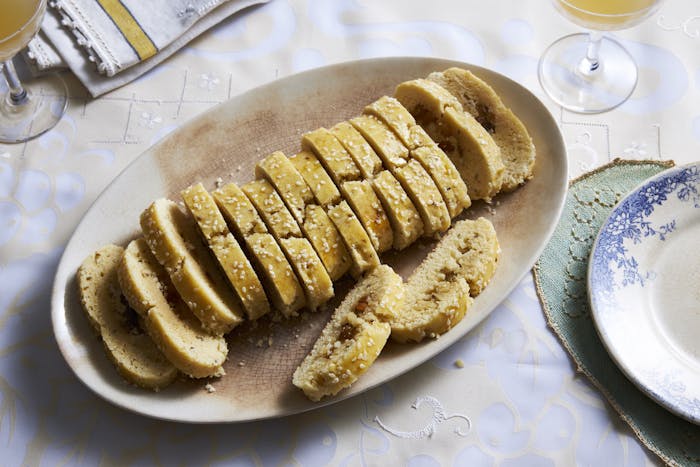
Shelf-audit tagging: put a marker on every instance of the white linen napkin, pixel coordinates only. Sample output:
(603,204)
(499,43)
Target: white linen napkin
(108,43)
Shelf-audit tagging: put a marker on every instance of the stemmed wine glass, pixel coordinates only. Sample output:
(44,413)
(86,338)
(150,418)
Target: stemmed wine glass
(587,72)
(26,109)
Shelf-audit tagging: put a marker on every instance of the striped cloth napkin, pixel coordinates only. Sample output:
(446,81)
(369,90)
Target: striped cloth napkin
(108,43)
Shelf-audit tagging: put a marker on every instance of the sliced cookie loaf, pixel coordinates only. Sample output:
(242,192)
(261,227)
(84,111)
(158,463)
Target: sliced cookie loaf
(422,148)
(171,325)
(346,174)
(277,275)
(312,218)
(439,291)
(226,250)
(361,152)
(466,142)
(414,180)
(308,267)
(483,103)
(406,223)
(354,337)
(172,237)
(133,353)
(328,195)
(364,256)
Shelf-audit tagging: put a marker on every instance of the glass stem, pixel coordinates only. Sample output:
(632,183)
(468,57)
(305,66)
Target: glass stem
(17,95)
(590,63)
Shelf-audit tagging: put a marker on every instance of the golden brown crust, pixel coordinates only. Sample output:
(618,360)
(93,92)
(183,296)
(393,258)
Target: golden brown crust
(425,150)
(271,208)
(443,172)
(395,116)
(383,141)
(238,211)
(310,271)
(327,241)
(277,273)
(290,185)
(312,219)
(425,196)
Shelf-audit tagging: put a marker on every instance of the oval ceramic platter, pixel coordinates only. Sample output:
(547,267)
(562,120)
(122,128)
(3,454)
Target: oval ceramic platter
(644,288)
(226,142)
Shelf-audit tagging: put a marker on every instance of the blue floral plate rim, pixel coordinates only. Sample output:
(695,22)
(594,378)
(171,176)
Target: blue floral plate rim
(628,227)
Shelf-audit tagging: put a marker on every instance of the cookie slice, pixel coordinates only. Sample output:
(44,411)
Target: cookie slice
(310,271)
(443,172)
(425,196)
(364,202)
(316,177)
(226,250)
(479,262)
(172,237)
(483,103)
(438,291)
(406,223)
(290,185)
(468,145)
(238,211)
(279,279)
(285,291)
(312,219)
(332,155)
(425,150)
(271,208)
(389,148)
(327,241)
(132,352)
(354,337)
(395,116)
(364,257)
(168,321)
(361,152)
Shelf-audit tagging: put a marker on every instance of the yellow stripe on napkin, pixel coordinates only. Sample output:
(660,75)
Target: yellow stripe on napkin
(129,27)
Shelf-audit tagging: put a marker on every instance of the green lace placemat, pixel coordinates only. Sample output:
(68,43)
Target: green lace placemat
(560,278)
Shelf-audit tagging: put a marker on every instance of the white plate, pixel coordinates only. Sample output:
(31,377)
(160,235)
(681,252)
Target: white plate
(644,288)
(226,142)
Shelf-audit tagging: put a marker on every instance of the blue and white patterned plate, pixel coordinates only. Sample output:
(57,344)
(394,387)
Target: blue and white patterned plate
(644,288)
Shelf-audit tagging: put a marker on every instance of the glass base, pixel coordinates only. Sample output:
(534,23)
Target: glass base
(47,98)
(587,91)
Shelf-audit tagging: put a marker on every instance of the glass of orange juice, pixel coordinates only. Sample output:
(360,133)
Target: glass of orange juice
(26,109)
(590,72)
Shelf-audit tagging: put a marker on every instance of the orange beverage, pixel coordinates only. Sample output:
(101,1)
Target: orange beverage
(606,14)
(19,22)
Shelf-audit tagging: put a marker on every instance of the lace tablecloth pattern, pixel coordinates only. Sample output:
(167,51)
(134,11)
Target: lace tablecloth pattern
(518,399)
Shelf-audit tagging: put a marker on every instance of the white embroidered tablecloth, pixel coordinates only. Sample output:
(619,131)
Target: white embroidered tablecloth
(517,401)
